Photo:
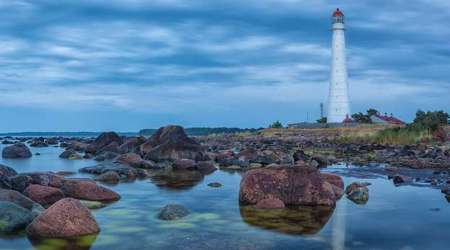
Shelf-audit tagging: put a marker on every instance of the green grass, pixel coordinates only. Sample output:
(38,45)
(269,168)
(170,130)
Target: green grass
(391,136)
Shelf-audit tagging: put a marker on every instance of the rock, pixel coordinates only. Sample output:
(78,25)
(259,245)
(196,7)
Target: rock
(65,173)
(173,212)
(20,200)
(214,184)
(7,171)
(293,186)
(171,143)
(66,218)
(70,154)
(399,179)
(125,172)
(184,164)
(16,151)
(447,197)
(131,145)
(51,141)
(45,179)
(20,182)
(109,177)
(134,160)
(13,217)
(43,195)
(206,167)
(103,140)
(357,192)
(38,144)
(5,176)
(270,203)
(336,181)
(88,190)
(176,179)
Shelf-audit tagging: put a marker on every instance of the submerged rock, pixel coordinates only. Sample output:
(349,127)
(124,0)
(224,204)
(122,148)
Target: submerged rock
(357,192)
(70,154)
(66,218)
(13,217)
(293,186)
(88,190)
(302,220)
(173,212)
(93,204)
(16,151)
(214,184)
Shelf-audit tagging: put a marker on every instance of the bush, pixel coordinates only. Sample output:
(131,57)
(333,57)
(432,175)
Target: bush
(276,124)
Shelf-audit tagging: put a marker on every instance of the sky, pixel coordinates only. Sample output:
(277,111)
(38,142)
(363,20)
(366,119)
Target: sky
(124,65)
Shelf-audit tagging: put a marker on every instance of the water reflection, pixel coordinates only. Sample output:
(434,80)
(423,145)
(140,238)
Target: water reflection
(297,221)
(176,179)
(78,243)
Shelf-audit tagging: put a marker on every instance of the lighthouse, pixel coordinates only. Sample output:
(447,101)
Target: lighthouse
(338,100)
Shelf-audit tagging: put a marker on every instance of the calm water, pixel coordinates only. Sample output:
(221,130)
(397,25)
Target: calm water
(394,218)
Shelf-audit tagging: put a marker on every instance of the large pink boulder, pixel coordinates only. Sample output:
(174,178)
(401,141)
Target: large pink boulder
(43,195)
(88,190)
(293,186)
(66,218)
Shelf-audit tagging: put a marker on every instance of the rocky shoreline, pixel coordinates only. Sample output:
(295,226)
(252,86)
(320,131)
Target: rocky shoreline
(278,171)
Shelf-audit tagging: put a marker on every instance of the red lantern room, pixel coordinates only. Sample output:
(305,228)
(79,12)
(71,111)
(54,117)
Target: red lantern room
(338,16)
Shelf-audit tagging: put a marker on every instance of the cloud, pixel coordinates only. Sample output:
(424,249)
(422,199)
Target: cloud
(229,58)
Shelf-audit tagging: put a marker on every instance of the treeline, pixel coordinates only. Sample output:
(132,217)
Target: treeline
(198,131)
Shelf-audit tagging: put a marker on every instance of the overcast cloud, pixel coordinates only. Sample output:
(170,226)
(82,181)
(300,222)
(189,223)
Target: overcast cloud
(87,65)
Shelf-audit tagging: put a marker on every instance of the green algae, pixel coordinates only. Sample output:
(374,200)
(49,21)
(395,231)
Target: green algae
(177,225)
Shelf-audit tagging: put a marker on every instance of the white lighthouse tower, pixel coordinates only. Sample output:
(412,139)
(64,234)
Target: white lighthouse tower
(338,101)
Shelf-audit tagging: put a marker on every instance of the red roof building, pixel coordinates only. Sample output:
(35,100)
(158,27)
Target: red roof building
(385,119)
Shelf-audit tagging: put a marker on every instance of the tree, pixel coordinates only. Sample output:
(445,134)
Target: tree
(322,120)
(372,111)
(430,120)
(361,118)
(276,124)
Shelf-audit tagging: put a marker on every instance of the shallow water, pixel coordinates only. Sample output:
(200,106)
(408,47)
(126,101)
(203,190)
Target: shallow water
(403,217)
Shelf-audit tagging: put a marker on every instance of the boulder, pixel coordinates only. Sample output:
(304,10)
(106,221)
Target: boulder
(43,195)
(20,182)
(70,154)
(134,160)
(171,143)
(172,212)
(88,190)
(13,217)
(7,171)
(5,174)
(184,164)
(108,177)
(66,218)
(270,203)
(125,172)
(293,186)
(103,140)
(16,151)
(45,179)
(131,145)
(20,200)
(357,192)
